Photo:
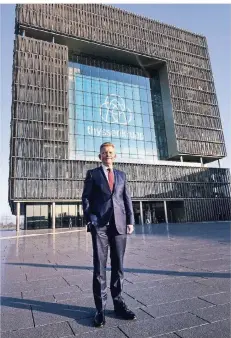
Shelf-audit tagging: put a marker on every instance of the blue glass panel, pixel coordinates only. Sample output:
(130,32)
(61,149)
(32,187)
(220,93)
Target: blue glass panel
(112,88)
(132,147)
(146,121)
(97,114)
(148,148)
(140,148)
(88,113)
(138,120)
(127,78)
(120,90)
(136,107)
(128,92)
(103,88)
(79,83)
(136,93)
(116,143)
(142,82)
(97,143)
(85,70)
(147,134)
(89,143)
(96,100)
(95,85)
(94,71)
(143,94)
(79,112)
(124,146)
(79,143)
(80,128)
(86,84)
(88,99)
(79,98)
(140,133)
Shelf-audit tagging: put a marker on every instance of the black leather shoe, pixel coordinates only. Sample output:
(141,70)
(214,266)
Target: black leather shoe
(123,311)
(99,320)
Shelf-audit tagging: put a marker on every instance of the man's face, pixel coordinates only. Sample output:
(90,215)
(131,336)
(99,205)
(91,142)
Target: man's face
(107,155)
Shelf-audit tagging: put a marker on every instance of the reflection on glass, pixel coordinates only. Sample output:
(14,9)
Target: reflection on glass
(109,105)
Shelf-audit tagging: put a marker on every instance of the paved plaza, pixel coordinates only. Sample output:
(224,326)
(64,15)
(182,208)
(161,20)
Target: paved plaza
(177,281)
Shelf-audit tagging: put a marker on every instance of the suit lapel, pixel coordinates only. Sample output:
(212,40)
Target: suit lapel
(106,180)
(115,179)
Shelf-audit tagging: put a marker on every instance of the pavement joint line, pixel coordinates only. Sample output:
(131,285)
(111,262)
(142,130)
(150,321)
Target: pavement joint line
(176,334)
(68,323)
(122,331)
(194,314)
(44,234)
(205,300)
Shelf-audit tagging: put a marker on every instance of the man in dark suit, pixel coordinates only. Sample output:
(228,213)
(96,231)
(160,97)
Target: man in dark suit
(107,208)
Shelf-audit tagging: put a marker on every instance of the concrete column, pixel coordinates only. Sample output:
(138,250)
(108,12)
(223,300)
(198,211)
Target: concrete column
(141,213)
(23,33)
(165,211)
(201,159)
(53,215)
(17,216)
(181,159)
(219,163)
(53,39)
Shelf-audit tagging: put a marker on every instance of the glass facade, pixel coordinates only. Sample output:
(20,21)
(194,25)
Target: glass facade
(39,216)
(110,105)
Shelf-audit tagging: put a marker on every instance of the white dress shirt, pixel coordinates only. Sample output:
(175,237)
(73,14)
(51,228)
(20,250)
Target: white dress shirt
(105,170)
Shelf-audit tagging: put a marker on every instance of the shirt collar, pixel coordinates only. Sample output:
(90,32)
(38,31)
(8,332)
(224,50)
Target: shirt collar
(105,168)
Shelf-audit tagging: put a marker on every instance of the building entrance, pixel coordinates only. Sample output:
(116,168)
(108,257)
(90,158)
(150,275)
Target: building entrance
(147,212)
(153,212)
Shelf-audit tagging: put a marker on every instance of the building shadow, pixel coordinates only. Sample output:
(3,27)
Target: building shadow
(203,274)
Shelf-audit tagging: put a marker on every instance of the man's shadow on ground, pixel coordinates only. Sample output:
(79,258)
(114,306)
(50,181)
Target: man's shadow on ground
(83,315)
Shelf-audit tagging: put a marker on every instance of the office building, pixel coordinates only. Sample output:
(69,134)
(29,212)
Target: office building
(84,74)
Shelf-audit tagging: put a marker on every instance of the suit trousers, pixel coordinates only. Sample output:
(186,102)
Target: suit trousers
(102,239)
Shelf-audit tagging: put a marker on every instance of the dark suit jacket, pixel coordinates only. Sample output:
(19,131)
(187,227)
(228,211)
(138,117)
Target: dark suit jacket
(99,202)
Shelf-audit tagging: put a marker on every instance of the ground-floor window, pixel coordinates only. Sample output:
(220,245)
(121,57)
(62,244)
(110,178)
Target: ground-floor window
(39,216)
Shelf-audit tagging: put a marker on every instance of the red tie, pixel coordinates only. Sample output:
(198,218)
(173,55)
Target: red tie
(110,178)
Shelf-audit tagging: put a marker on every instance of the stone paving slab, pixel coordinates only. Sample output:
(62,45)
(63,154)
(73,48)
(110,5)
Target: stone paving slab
(37,292)
(177,281)
(165,293)
(218,298)
(161,325)
(186,305)
(220,284)
(213,313)
(62,329)
(16,320)
(85,325)
(36,284)
(219,329)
